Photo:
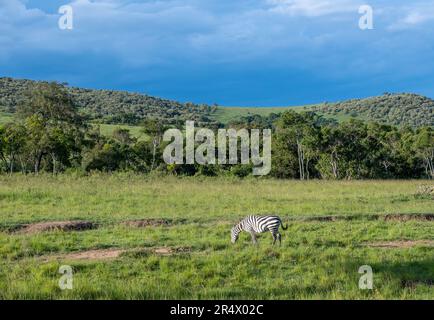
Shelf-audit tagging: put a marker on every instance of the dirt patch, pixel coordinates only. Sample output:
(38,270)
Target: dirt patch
(335,218)
(12,228)
(101,254)
(323,218)
(107,254)
(169,251)
(143,223)
(56,226)
(388,217)
(409,217)
(164,251)
(402,244)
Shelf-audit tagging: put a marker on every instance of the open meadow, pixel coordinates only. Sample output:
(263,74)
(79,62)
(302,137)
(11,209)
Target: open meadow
(169,238)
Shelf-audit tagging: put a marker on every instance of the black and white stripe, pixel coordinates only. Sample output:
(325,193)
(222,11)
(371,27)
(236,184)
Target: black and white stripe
(258,224)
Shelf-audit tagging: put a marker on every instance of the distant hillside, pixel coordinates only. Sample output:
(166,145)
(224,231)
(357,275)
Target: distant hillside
(395,109)
(111,106)
(121,107)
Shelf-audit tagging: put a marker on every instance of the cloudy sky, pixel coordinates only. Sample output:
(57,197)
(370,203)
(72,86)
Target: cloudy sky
(230,52)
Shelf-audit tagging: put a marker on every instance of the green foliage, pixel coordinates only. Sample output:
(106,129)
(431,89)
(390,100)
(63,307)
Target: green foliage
(394,109)
(304,148)
(53,128)
(112,107)
(120,107)
(402,109)
(424,147)
(12,142)
(51,134)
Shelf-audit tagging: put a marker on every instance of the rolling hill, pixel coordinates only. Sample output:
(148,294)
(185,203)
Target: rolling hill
(121,107)
(395,109)
(110,106)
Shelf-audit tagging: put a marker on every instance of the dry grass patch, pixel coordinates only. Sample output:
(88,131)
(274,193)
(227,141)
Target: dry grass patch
(408,217)
(402,244)
(114,253)
(425,191)
(99,254)
(323,219)
(55,226)
(386,217)
(143,223)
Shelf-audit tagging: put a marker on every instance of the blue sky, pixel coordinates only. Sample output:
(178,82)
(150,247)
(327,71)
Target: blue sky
(243,52)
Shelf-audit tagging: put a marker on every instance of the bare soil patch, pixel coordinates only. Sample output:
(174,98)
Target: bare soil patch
(143,223)
(108,254)
(402,244)
(388,217)
(169,250)
(409,217)
(55,226)
(323,218)
(99,254)
(335,218)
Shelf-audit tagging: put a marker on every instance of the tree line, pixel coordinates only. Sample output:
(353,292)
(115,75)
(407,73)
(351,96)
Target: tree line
(50,134)
(114,107)
(111,106)
(396,109)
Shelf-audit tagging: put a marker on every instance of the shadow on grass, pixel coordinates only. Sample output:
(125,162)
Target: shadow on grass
(406,274)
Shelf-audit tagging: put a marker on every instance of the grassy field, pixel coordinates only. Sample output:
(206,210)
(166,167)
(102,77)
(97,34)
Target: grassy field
(226,114)
(319,258)
(5,117)
(106,129)
(222,114)
(135,131)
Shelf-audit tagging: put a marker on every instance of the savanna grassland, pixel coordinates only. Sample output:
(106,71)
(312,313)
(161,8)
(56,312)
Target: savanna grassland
(334,228)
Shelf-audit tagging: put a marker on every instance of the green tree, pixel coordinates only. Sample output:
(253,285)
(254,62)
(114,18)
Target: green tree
(13,140)
(299,134)
(424,148)
(155,130)
(54,127)
(123,136)
(2,147)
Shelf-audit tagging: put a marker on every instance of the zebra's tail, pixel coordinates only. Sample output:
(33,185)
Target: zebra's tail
(284,228)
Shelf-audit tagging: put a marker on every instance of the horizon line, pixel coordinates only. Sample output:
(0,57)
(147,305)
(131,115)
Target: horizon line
(212,104)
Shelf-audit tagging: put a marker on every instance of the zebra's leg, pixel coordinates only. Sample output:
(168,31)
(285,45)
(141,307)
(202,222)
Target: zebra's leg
(274,238)
(279,237)
(253,237)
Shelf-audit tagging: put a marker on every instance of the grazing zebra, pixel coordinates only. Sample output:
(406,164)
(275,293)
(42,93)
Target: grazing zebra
(258,224)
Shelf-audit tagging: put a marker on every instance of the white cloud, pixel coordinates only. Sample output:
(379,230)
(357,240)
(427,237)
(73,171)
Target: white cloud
(136,34)
(412,16)
(313,8)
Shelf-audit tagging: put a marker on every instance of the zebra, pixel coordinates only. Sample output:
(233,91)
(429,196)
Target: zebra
(258,224)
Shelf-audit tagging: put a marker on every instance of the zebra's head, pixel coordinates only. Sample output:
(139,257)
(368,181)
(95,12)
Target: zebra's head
(234,234)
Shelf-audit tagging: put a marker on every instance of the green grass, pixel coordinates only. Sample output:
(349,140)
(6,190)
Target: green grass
(106,129)
(316,259)
(227,114)
(222,114)
(5,117)
(135,131)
